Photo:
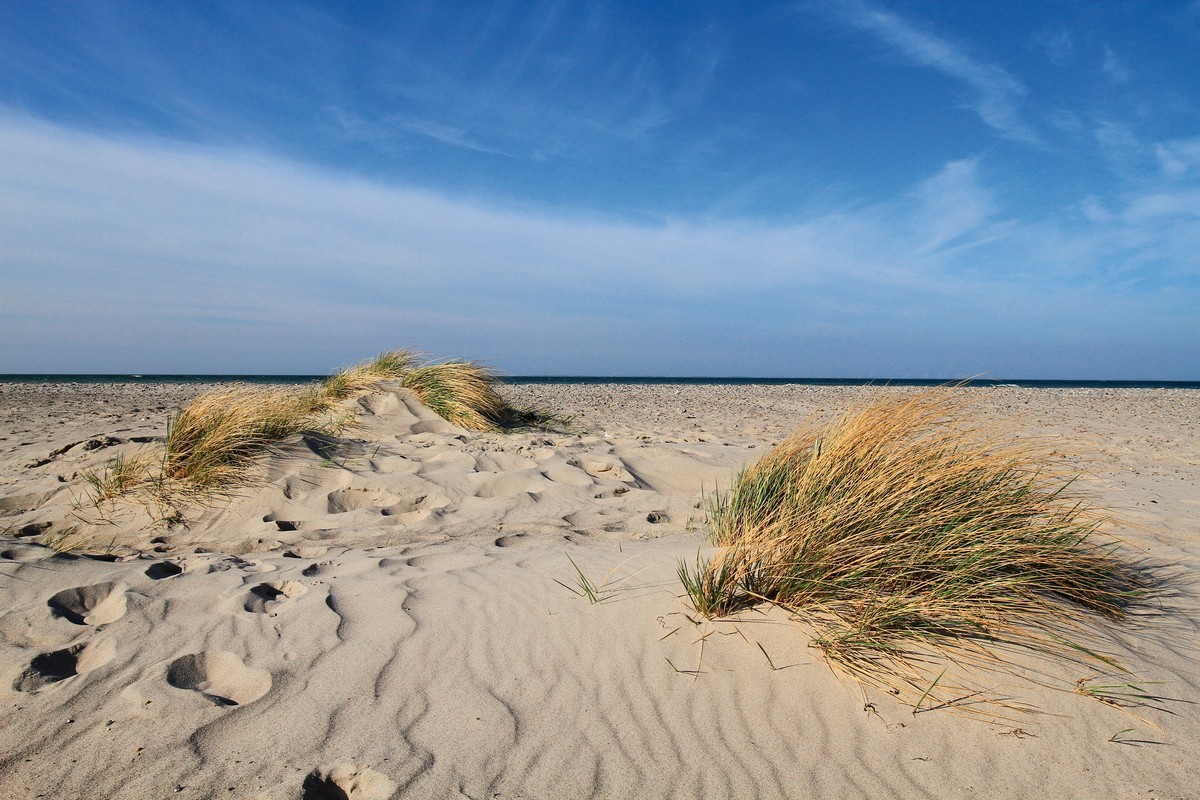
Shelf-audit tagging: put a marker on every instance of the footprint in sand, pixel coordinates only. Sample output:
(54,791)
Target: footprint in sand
(163,569)
(220,676)
(49,669)
(393,465)
(437,561)
(352,498)
(602,470)
(507,484)
(226,563)
(347,782)
(571,476)
(26,552)
(306,551)
(97,604)
(20,503)
(268,598)
(382,403)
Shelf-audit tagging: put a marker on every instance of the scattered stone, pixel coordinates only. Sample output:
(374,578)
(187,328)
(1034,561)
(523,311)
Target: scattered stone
(99,442)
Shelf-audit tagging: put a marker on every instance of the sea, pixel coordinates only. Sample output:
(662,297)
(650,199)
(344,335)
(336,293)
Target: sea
(629,379)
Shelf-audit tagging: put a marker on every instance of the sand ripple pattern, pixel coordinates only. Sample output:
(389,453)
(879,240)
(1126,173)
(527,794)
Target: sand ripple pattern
(384,618)
(463,668)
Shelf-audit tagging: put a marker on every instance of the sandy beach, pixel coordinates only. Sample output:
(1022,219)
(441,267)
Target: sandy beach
(398,612)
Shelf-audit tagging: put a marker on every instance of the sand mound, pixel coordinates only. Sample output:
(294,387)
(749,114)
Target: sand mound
(404,474)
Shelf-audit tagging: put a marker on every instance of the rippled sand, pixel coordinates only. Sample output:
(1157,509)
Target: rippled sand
(396,614)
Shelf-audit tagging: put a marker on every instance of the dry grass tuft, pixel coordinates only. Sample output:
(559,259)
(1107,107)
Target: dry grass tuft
(368,376)
(461,392)
(121,476)
(212,440)
(71,540)
(212,443)
(902,527)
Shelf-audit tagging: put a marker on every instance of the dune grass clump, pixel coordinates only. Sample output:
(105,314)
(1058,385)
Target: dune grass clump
(461,392)
(121,476)
(368,376)
(212,443)
(904,526)
(212,440)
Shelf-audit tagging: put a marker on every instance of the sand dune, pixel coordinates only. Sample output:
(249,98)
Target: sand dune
(401,472)
(392,614)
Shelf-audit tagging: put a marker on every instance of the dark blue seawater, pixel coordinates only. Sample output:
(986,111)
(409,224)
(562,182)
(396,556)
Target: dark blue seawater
(553,379)
(1046,384)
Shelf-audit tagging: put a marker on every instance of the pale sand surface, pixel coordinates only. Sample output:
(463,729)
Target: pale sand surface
(392,605)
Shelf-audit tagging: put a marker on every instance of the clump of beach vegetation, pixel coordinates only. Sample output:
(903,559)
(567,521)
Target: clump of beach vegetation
(212,443)
(461,392)
(903,528)
(369,375)
(122,475)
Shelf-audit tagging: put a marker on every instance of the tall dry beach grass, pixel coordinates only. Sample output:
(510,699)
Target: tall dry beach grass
(369,375)
(212,443)
(903,528)
(461,392)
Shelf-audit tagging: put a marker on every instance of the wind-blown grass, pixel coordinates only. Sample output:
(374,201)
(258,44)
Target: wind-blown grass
(461,392)
(212,443)
(369,375)
(121,476)
(903,526)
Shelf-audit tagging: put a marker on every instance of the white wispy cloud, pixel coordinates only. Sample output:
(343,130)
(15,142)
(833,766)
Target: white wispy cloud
(953,205)
(1059,46)
(1147,206)
(561,80)
(1141,160)
(996,94)
(144,255)
(1179,158)
(1114,68)
(1122,147)
(447,134)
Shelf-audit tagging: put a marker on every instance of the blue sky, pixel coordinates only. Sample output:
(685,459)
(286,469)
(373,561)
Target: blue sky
(892,188)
